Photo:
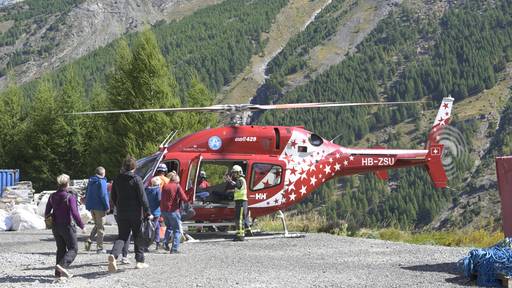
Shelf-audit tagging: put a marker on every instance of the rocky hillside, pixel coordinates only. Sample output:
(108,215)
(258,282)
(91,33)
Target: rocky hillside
(47,38)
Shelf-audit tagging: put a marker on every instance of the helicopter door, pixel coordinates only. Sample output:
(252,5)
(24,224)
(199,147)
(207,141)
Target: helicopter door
(266,180)
(193,172)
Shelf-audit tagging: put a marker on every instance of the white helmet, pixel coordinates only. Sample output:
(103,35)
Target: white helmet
(237,168)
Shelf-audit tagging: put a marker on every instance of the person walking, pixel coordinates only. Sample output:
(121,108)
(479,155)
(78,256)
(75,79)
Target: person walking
(154,195)
(131,206)
(62,205)
(97,202)
(240,196)
(172,196)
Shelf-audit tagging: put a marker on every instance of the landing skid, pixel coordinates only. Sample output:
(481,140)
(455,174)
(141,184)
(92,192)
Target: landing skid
(219,236)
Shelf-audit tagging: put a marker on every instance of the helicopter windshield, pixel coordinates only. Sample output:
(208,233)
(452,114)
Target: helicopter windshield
(146,165)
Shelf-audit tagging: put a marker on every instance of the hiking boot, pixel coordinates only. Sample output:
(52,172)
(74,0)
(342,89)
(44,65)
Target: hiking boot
(125,260)
(112,264)
(88,244)
(239,238)
(157,247)
(166,247)
(141,265)
(248,232)
(63,272)
(101,251)
(145,249)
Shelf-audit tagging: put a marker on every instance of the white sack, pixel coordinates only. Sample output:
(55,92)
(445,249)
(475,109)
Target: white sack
(84,214)
(5,221)
(23,219)
(41,207)
(110,220)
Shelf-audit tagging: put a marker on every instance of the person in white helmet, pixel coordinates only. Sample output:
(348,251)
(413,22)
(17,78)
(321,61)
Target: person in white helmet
(160,172)
(240,196)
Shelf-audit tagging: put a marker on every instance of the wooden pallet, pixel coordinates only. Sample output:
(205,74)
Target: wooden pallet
(506,281)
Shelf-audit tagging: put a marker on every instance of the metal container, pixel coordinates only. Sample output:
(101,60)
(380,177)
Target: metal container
(8,177)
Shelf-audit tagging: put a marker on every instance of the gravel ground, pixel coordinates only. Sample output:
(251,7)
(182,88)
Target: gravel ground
(318,260)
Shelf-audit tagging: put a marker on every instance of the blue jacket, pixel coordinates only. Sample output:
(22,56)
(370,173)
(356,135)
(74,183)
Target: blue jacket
(154,196)
(96,195)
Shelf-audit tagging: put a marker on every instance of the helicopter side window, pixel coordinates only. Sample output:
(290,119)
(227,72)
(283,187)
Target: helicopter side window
(265,176)
(315,140)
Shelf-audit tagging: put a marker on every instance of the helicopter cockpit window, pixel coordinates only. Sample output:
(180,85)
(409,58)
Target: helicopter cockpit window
(145,165)
(315,140)
(265,176)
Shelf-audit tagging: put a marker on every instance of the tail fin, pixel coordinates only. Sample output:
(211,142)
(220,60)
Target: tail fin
(435,150)
(443,117)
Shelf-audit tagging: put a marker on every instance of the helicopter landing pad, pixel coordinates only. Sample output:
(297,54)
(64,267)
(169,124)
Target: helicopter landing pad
(317,260)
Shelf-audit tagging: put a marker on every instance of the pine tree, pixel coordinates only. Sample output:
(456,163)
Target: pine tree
(140,80)
(71,100)
(198,96)
(45,139)
(12,125)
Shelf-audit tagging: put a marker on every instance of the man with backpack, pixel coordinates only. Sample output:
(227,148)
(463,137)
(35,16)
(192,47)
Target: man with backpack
(97,201)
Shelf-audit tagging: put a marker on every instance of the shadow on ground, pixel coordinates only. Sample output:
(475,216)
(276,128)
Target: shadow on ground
(449,268)
(27,279)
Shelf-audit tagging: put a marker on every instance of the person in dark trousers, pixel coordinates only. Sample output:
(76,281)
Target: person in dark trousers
(240,196)
(97,201)
(131,205)
(154,196)
(62,205)
(172,196)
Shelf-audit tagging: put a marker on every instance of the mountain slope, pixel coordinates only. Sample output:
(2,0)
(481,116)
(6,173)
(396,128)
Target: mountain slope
(64,34)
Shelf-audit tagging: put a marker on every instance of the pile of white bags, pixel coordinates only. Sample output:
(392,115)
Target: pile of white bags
(20,193)
(24,217)
(5,221)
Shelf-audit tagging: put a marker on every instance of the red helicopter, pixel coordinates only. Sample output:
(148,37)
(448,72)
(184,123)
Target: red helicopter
(282,165)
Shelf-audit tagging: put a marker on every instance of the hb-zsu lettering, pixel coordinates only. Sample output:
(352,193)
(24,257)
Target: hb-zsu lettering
(381,161)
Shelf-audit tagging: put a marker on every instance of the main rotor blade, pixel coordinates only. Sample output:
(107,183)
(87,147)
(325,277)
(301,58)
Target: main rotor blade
(245,107)
(325,105)
(214,108)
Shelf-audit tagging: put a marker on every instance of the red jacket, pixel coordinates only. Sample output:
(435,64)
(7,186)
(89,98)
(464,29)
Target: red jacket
(172,195)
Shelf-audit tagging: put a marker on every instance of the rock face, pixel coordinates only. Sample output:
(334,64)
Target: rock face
(90,25)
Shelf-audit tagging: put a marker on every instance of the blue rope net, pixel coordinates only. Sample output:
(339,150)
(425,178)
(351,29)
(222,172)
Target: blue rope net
(488,263)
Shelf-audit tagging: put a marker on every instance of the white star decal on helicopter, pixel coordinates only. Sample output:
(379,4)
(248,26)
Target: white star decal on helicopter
(337,167)
(313,180)
(351,157)
(327,169)
(292,197)
(303,190)
(345,162)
